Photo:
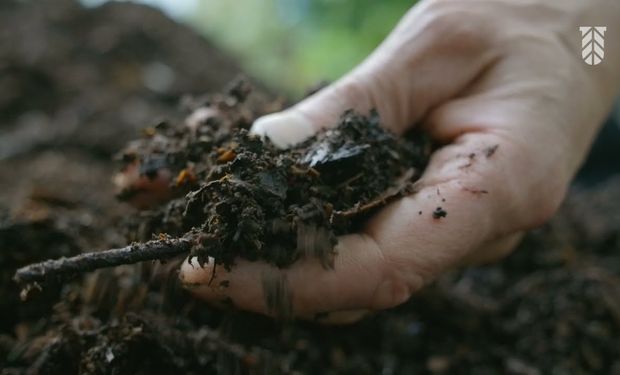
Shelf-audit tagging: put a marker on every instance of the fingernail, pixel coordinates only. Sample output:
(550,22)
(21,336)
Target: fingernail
(193,274)
(284,129)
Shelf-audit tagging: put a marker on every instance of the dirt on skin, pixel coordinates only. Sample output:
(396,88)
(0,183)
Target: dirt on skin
(551,307)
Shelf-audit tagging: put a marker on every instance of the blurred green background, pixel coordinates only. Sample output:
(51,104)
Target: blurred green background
(289,44)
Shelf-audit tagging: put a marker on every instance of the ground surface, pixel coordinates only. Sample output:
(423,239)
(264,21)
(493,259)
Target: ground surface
(75,86)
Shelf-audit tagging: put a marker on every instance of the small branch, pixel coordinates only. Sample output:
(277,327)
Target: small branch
(64,268)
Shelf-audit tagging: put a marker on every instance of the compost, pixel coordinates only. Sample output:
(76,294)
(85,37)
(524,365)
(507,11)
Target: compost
(553,306)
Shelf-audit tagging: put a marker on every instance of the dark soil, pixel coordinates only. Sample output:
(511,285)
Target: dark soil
(551,307)
(241,197)
(245,198)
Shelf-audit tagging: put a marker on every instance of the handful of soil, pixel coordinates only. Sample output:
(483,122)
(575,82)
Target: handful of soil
(237,195)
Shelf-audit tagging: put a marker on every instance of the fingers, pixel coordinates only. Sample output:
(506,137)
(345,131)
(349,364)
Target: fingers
(428,59)
(532,155)
(493,250)
(360,279)
(145,183)
(143,190)
(319,111)
(284,129)
(464,203)
(365,277)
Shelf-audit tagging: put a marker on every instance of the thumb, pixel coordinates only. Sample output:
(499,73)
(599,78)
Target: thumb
(316,112)
(424,62)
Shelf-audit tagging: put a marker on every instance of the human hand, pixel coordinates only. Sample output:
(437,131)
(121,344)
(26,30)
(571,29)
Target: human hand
(501,85)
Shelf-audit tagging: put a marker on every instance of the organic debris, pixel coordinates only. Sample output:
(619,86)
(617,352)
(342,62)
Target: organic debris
(240,196)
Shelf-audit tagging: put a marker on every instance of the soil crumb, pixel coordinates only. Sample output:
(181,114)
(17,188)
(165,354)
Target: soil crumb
(439,213)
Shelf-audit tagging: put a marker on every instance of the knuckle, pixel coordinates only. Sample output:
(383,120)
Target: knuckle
(448,29)
(538,191)
(355,89)
(548,204)
(522,188)
(397,286)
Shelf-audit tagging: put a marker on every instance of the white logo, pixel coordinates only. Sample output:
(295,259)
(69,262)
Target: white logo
(593,44)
